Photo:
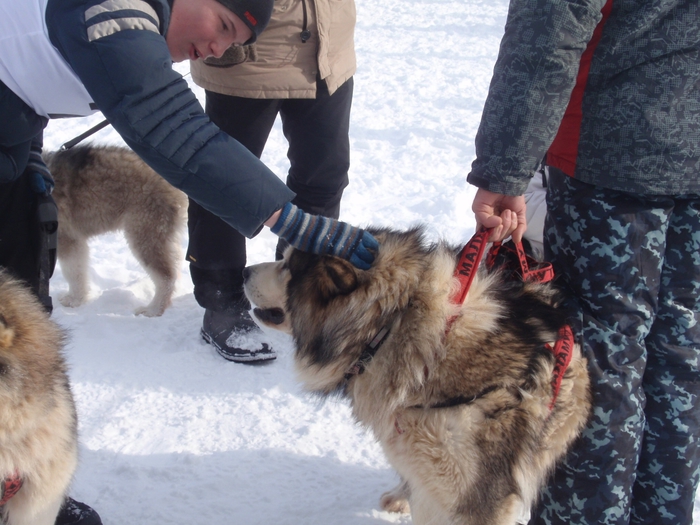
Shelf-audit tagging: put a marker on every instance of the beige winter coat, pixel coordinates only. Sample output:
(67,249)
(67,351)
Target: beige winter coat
(285,67)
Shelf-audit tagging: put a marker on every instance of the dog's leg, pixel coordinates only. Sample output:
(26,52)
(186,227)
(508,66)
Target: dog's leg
(157,247)
(396,500)
(162,298)
(74,257)
(427,510)
(21,511)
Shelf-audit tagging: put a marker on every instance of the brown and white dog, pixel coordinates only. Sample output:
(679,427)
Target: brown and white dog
(101,189)
(472,417)
(38,433)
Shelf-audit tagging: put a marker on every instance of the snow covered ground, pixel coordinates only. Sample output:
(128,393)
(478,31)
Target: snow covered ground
(170,432)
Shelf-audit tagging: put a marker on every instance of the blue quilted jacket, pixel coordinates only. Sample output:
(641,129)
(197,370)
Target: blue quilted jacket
(607,90)
(118,51)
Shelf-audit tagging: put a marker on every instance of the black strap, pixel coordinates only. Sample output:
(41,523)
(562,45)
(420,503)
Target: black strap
(460,400)
(305,33)
(83,136)
(368,353)
(48,225)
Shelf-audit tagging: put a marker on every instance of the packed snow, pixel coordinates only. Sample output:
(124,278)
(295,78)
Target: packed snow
(170,433)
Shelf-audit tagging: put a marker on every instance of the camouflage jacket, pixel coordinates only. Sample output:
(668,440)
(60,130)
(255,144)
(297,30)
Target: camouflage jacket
(608,90)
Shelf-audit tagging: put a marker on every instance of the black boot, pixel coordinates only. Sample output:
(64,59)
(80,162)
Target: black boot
(76,513)
(236,336)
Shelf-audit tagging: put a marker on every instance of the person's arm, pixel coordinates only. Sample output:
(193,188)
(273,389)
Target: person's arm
(128,72)
(503,214)
(325,236)
(532,82)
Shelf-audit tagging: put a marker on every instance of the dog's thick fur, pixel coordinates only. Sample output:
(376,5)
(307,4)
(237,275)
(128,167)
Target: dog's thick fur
(462,414)
(38,430)
(109,188)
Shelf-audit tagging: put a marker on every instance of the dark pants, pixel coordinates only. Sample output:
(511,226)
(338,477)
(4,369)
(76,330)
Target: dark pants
(19,126)
(319,156)
(23,241)
(632,262)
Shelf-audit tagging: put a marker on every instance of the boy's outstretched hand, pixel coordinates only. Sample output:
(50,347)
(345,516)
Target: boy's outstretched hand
(323,235)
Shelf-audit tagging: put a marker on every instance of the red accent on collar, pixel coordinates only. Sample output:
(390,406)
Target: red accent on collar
(563,350)
(9,487)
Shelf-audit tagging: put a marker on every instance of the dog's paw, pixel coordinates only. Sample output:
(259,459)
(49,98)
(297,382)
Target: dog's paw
(396,500)
(72,300)
(149,311)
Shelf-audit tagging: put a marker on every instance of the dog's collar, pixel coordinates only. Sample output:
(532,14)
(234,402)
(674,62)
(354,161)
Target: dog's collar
(368,353)
(460,400)
(9,487)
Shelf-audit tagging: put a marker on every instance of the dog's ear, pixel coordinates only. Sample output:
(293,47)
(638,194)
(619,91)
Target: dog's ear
(6,333)
(337,277)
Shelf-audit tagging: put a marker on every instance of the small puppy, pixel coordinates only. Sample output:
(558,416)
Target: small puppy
(108,188)
(38,433)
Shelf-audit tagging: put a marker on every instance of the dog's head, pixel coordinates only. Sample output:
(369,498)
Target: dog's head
(321,278)
(331,308)
(30,342)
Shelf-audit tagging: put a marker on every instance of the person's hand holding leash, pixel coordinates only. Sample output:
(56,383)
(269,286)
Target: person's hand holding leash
(323,235)
(503,214)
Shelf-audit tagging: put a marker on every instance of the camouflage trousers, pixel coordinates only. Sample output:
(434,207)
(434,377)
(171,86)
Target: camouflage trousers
(632,264)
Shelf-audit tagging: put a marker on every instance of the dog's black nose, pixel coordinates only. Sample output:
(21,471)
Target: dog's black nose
(246,273)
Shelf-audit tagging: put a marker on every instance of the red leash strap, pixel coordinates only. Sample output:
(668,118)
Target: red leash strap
(530,269)
(468,261)
(563,350)
(9,487)
(533,270)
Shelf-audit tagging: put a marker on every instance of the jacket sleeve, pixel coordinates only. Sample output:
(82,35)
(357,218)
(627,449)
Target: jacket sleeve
(128,72)
(532,82)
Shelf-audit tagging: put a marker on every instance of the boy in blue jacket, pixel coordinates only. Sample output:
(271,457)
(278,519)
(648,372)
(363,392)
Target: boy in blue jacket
(72,57)
(65,58)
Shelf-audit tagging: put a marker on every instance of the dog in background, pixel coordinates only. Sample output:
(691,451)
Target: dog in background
(462,398)
(38,435)
(100,189)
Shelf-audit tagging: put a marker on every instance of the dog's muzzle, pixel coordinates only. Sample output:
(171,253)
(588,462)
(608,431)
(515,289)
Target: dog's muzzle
(270,315)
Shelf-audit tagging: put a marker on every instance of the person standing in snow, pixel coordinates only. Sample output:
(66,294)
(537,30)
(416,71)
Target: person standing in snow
(301,68)
(607,92)
(72,57)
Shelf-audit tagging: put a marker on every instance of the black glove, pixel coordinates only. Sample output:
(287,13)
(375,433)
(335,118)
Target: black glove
(41,180)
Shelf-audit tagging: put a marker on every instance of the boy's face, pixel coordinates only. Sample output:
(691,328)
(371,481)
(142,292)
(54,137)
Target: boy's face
(203,28)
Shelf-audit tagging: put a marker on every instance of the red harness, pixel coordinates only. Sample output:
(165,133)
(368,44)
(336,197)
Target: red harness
(529,270)
(9,487)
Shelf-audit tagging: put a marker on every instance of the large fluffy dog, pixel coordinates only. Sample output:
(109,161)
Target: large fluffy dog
(467,415)
(38,441)
(104,189)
